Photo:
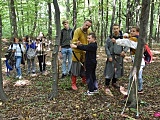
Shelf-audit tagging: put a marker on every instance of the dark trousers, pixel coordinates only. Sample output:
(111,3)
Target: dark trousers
(42,62)
(91,76)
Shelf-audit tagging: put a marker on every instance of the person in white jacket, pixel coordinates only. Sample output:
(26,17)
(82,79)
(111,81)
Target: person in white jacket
(132,43)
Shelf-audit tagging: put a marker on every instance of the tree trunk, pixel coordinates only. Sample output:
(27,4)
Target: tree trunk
(35,19)
(113,16)
(139,51)
(74,14)
(22,19)
(151,24)
(106,27)
(128,15)
(54,92)
(119,12)
(102,23)
(67,9)
(3,96)
(158,33)
(14,32)
(49,22)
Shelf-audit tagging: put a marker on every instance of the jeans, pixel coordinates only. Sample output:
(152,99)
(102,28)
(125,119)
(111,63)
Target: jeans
(18,63)
(66,55)
(140,79)
(31,65)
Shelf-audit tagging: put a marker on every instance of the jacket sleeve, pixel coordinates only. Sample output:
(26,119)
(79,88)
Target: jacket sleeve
(127,43)
(23,48)
(107,46)
(89,47)
(33,45)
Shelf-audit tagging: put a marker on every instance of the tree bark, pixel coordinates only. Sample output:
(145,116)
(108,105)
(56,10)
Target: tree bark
(113,16)
(139,51)
(54,92)
(35,19)
(50,21)
(3,96)
(74,13)
(151,24)
(14,32)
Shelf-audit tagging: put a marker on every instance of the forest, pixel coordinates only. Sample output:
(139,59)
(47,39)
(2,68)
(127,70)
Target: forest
(47,97)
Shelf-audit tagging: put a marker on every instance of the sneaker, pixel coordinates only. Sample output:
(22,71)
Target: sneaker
(89,93)
(96,91)
(33,72)
(69,74)
(63,76)
(20,77)
(140,91)
(17,76)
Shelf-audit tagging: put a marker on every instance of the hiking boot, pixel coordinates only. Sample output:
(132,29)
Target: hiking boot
(20,77)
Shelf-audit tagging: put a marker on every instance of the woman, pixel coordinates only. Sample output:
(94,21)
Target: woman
(29,44)
(17,49)
(41,54)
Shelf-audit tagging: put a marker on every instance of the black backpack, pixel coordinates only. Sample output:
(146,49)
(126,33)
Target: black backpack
(10,59)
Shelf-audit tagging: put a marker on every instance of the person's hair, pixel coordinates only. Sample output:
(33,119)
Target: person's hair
(93,35)
(136,27)
(88,21)
(115,24)
(14,39)
(64,21)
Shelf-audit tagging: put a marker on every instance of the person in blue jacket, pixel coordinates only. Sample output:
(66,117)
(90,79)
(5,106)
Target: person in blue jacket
(31,62)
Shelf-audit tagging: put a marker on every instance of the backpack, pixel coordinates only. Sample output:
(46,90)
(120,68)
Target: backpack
(10,59)
(31,53)
(147,54)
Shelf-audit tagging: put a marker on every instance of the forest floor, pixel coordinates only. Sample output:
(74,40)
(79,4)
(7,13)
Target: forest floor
(28,98)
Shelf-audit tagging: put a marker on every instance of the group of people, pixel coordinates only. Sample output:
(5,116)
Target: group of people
(81,53)
(78,54)
(22,51)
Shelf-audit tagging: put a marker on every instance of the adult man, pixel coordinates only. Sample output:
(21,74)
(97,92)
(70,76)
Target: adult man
(65,49)
(80,37)
(114,63)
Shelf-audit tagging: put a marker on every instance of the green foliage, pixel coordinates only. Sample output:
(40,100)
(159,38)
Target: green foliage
(26,12)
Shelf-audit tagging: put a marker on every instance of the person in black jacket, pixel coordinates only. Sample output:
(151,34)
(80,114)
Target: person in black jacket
(90,62)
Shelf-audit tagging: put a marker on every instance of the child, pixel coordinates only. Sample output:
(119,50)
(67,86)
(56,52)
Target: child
(90,62)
